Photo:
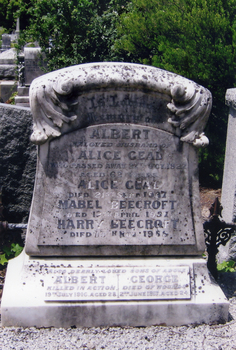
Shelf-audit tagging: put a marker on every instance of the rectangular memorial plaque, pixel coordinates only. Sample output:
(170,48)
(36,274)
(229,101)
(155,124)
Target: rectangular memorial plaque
(116,185)
(110,283)
(34,64)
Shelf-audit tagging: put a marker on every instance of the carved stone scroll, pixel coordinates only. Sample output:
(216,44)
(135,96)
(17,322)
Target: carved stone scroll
(55,100)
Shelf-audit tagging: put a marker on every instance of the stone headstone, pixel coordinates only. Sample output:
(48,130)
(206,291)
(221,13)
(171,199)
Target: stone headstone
(17,162)
(8,57)
(6,42)
(7,89)
(115,235)
(17,28)
(34,64)
(30,66)
(228,200)
(8,65)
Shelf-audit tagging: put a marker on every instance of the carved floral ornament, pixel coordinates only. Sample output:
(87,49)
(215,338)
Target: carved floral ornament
(55,98)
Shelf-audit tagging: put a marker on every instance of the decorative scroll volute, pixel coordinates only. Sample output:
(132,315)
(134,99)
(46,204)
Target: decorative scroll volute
(55,99)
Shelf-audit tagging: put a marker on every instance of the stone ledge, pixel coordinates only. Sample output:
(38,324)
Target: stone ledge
(23,91)
(28,307)
(7,71)
(230,98)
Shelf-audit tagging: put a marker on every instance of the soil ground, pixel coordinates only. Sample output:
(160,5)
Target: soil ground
(207,198)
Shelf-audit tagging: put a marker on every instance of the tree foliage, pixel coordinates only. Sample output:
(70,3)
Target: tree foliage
(194,38)
(73,31)
(10,10)
(7,19)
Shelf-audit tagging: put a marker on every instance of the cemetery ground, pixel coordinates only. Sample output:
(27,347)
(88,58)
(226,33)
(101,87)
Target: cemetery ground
(194,337)
(207,197)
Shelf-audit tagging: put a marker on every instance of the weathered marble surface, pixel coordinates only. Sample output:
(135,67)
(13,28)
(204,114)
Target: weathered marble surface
(30,306)
(18,159)
(121,283)
(33,63)
(228,187)
(116,188)
(7,88)
(229,184)
(60,103)
(8,57)
(118,170)
(6,41)
(7,71)
(8,65)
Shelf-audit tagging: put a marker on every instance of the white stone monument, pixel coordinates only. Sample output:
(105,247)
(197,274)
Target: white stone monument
(115,234)
(228,198)
(31,65)
(6,42)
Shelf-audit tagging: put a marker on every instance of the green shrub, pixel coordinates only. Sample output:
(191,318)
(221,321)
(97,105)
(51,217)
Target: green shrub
(10,252)
(226,266)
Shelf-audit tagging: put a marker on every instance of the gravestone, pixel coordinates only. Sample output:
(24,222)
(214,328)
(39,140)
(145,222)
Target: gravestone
(9,57)
(33,64)
(8,83)
(8,68)
(228,200)
(115,235)
(17,162)
(6,42)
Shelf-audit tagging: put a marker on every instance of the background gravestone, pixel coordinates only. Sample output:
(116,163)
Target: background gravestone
(114,235)
(33,64)
(8,83)
(229,184)
(17,162)
(6,42)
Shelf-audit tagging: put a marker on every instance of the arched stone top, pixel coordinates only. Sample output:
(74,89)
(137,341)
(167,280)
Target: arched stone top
(230,98)
(58,105)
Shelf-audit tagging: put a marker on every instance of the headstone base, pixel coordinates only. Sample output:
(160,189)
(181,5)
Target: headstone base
(23,96)
(7,88)
(22,101)
(7,72)
(110,292)
(23,91)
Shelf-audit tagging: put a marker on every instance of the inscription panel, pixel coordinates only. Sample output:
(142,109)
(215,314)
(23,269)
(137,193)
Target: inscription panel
(117,283)
(116,185)
(33,64)
(133,107)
